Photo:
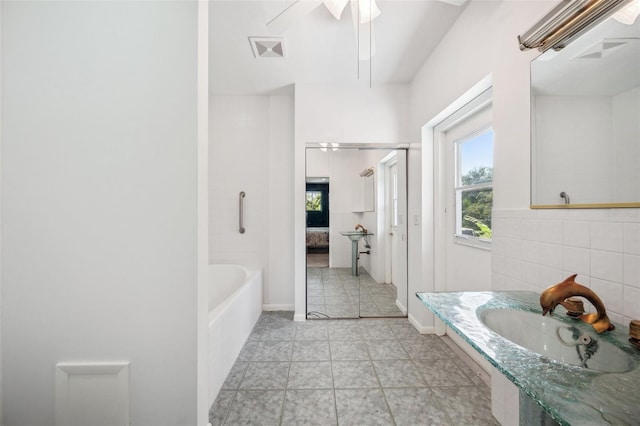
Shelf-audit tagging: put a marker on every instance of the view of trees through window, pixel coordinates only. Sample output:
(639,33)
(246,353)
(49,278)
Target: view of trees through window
(314,201)
(477,204)
(474,186)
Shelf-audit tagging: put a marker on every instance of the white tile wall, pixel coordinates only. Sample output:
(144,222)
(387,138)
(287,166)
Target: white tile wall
(238,149)
(534,249)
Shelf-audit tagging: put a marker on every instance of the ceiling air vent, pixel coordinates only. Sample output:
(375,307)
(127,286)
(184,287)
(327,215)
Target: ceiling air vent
(267,47)
(602,48)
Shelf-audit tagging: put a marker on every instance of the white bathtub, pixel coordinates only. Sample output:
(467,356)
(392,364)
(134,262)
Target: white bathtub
(235,304)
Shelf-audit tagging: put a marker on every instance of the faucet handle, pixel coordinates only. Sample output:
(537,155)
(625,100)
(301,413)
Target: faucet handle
(574,306)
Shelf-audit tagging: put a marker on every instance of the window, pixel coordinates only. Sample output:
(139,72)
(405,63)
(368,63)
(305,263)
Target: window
(474,185)
(317,205)
(314,201)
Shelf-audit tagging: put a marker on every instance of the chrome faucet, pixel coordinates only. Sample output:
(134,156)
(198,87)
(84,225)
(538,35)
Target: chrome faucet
(362,228)
(557,295)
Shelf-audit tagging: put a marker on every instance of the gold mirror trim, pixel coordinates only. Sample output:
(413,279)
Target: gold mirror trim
(587,206)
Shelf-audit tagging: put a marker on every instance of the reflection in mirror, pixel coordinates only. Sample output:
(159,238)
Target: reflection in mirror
(364,273)
(586,120)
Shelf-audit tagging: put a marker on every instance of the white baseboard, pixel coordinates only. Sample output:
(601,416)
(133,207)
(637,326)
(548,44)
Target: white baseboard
(401,307)
(300,317)
(423,329)
(275,307)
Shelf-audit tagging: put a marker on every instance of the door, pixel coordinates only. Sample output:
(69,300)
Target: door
(392,221)
(394,229)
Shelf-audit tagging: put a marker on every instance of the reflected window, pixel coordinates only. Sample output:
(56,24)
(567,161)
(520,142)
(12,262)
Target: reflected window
(314,201)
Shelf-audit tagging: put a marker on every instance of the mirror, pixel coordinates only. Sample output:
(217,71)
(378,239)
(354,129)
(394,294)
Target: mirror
(585,121)
(356,274)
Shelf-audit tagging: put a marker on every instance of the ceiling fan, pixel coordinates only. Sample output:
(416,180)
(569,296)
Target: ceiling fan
(363,12)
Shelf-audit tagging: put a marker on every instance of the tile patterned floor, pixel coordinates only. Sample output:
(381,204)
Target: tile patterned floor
(335,293)
(349,372)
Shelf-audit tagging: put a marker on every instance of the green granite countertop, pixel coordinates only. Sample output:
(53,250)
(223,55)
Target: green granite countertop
(570,394)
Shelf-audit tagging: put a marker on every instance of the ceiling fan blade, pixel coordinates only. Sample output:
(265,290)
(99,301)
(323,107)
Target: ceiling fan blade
(292,15)
(336,7)
(454,2)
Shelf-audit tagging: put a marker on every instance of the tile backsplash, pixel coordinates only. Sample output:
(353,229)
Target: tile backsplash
(533,249)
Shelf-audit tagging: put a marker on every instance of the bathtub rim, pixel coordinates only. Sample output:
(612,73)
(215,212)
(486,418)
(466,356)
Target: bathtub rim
(250,275)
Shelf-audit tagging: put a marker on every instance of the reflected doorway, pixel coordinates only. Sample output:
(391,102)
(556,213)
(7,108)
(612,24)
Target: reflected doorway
(317,211)
(368,188)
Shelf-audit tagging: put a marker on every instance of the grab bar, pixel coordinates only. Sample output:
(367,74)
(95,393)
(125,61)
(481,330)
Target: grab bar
(241,212)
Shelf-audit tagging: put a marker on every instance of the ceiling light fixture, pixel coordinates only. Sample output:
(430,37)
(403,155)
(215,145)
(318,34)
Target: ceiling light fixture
(628,14)
(567,21)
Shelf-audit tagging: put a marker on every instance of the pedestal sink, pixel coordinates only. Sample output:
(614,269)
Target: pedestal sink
(355,237)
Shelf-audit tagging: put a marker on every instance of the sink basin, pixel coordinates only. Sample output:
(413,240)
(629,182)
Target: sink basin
(355,235)
(566,341)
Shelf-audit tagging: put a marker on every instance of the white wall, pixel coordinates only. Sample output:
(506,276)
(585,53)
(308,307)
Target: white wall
(531,249)
(351,114)
(99,181)
(626,138)
(457,64)
(251,150)
(1,387)
(203,403)
(341,114)
(280,274)
(576,160)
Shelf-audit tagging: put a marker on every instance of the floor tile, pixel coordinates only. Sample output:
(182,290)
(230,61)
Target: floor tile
(386,349)
(248,350)
(346,332)
(427,349)
(315,308)
(266,375)
(423,380)
(417,406)
(235,376)
(398,373)
(310,375)
(279,332)
(376,330)
(354,374)
(256,408)
(315,300)
(442,372)
(256,333)
(466,405)
(309,408)
(343,350)
(311,350)
(312,331)
(219,408)
(273,351)
(362,407)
